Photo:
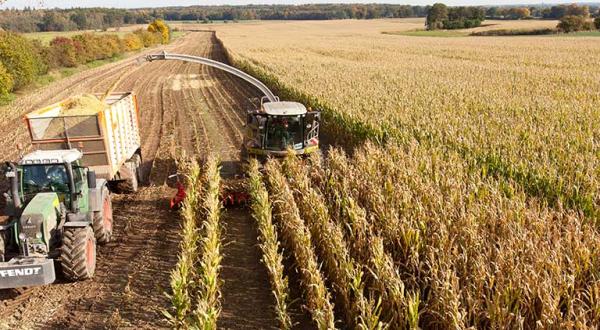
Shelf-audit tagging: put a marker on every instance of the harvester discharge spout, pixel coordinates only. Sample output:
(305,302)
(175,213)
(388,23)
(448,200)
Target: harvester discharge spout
(215,64)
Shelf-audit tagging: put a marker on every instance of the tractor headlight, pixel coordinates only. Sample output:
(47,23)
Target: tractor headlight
(38,235)
(22,236)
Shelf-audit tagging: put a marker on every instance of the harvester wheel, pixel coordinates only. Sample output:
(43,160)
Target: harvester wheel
(103,219)
(78,253)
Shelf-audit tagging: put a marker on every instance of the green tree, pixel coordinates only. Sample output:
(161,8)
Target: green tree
(19,58)
(159,26)
(53,21)
(80,19)
(597,23)
(436,16)
(571,23)
(6,82)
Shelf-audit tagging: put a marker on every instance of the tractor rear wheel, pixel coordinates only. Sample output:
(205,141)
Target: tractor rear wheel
(103,219)
(78,253)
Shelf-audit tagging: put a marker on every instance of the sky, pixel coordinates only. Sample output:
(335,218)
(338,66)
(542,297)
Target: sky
(166,3)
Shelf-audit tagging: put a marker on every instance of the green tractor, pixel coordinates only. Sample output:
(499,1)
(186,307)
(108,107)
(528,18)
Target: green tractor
(57,210)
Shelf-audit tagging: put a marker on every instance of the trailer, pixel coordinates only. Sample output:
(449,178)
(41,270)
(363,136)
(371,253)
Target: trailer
(109,139)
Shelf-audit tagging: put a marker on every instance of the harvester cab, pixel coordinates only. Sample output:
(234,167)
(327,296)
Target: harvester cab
(50,211)
(278,127)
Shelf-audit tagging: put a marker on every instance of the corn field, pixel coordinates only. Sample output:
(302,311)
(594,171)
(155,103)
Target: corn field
(195,283)
(524,109)
(466,192)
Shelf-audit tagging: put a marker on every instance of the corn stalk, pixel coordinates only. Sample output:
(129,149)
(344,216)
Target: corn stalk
(269,244)
(345,273)
(298,240)
(183,276)
(208,305)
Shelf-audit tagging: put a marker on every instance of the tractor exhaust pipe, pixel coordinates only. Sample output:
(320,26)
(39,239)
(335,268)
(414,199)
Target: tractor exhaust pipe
(74,202)
(14,186)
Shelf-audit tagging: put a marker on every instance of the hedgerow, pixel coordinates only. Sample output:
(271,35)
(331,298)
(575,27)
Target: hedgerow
(19,58)
(23,60)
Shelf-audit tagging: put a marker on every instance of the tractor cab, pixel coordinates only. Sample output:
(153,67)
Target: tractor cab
(280,126)
(56,171)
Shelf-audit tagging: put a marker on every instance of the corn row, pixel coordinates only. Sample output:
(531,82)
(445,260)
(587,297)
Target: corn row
(343,271)
(346,195)
(208,307)
(365,243)
(299,241)
(183,275)
(269,244)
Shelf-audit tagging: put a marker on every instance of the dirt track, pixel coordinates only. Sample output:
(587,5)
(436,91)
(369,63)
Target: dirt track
(185,108)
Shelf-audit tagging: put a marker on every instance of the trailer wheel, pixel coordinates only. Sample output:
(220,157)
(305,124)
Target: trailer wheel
(131,184)
(78,253)
(137,161)
(103,219)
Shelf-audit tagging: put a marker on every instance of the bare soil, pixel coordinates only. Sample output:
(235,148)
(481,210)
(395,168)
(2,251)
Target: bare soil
(184,108)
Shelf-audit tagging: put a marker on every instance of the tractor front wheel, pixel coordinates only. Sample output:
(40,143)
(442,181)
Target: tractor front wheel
(78,253)
(103,219)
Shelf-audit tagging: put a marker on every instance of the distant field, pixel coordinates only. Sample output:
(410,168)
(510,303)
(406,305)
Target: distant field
(488,25)
(46,37)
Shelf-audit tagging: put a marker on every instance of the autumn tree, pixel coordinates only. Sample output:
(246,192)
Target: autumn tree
(571,23)
(519,13)
(159,26)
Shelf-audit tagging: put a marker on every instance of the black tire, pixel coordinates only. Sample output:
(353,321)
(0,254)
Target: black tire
(78,253)
(244,154)
(103,219)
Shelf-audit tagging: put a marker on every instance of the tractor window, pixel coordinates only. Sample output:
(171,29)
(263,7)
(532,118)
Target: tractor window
(284,132)
(78,178)
(44,178)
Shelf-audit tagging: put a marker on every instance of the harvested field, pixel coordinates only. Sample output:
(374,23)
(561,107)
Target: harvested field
(132,275)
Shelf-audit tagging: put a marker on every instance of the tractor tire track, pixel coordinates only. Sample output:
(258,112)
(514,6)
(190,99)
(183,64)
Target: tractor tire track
(133,270)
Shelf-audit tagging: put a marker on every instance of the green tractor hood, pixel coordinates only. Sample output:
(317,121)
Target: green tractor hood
(40,218)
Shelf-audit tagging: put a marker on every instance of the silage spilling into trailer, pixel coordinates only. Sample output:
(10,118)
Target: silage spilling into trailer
(83,105)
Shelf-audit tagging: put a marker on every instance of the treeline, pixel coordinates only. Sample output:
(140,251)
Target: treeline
(34,20)
(22,60)
(572,17)
(441,16)
(553,12)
